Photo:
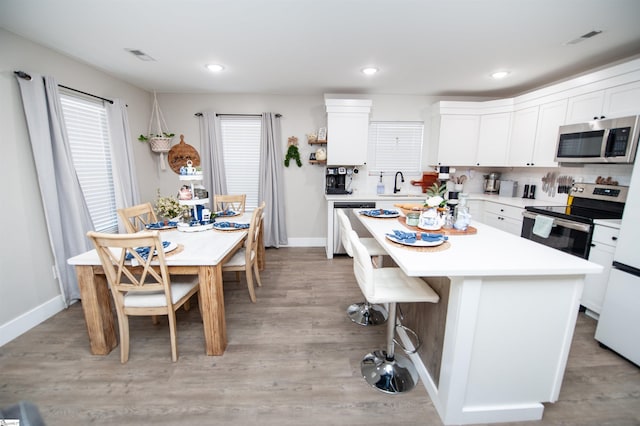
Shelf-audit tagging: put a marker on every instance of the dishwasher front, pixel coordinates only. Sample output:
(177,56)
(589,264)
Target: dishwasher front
(348,207)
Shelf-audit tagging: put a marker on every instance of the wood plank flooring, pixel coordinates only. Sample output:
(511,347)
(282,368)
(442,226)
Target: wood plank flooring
(293,359)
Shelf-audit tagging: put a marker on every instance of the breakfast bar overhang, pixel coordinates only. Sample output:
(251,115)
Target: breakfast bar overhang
(496,346)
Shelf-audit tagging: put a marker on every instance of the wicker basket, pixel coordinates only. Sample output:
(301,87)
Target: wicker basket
(160,144)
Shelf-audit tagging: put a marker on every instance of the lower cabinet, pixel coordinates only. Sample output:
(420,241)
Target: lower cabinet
(501,216)
(603,246)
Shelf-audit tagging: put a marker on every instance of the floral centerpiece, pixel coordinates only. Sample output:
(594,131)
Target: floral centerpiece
(169,207)
(436,196)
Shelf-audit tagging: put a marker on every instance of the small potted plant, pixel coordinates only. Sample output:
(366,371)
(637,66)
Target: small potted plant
(160,139)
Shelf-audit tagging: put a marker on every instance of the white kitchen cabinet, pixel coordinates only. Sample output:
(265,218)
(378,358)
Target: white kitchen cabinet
(347,131)
(535,135)
(502,216)
(458,139)
(493,139)
(550,117)
(523,137)
(614,102)
(603,246)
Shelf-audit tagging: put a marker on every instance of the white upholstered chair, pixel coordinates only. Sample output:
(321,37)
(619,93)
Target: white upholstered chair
(363,313)
(138,288)
(383,369)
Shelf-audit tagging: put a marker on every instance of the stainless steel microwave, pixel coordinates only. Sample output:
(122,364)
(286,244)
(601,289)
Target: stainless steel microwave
(599,141)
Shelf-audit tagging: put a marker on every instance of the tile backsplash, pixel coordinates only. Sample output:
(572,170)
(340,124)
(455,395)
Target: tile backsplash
(364,183)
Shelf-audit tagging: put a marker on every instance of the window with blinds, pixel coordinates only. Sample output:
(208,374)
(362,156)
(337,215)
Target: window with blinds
(395,146)
(241,145)
(88,131)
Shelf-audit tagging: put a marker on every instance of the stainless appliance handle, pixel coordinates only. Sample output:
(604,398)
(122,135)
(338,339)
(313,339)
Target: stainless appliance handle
(583,227)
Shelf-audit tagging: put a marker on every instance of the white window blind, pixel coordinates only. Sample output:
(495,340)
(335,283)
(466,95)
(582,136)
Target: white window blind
(241,145)
(395,146)
(88,131)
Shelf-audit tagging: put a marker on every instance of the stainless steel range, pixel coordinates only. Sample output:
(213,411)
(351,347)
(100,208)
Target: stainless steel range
(572,226)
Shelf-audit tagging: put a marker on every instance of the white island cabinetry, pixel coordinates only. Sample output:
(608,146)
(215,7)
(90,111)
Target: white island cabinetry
(495,347)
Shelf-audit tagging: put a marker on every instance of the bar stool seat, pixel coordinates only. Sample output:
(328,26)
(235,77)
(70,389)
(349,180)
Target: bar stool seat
(363,313)
(384,370)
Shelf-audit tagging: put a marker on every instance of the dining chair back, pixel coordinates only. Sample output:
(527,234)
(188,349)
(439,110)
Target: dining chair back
(137,273)
(135,218)
(246,259)
(229,202)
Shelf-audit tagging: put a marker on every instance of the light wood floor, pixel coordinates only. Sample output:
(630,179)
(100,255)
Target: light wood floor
(293,359)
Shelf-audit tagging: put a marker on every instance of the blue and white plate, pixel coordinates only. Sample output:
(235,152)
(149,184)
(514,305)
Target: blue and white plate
(227,213)
(230,226)
(380,213)
(409,239)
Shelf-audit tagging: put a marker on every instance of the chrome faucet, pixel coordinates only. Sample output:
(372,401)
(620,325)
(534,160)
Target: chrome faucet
(395,182)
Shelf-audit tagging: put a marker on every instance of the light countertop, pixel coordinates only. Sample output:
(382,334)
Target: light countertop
(419,197)
(490,252)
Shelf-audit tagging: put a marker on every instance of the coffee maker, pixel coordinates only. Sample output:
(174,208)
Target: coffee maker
(336,180)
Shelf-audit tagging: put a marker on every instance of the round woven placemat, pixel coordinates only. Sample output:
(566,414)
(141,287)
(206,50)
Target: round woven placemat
(181,153)
(444,246)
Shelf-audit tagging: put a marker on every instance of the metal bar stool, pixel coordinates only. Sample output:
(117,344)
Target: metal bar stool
(384,370)
(363,313)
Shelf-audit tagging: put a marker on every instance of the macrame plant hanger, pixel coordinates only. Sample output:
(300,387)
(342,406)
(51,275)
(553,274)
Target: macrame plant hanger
(159,141)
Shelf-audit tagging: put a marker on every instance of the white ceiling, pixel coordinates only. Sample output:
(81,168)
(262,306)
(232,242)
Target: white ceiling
(422,47)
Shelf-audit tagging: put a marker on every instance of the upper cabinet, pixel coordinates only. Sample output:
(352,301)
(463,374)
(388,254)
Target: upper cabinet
(618,101)
(347,131)
(470,133)
(458,139)
(534,134)
(493,139)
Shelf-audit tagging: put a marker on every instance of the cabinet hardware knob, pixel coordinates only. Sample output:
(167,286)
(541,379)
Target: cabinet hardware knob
(614,238)
(593,245)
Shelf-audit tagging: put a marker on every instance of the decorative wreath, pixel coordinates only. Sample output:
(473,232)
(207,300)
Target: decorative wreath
(293,152)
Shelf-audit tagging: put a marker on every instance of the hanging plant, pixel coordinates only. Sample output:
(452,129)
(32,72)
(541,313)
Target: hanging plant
(160,139)
(293,152)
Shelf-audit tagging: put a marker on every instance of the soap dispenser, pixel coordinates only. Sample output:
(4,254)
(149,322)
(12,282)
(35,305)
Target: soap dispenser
(380,188)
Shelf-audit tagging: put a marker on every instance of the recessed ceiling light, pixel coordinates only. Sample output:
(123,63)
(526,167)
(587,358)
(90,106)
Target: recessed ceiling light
(499,75)
(370,70)
(215,67)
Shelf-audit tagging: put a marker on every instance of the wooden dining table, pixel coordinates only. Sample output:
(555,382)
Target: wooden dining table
(199,253)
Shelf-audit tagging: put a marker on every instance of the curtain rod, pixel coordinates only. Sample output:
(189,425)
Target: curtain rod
(199,114)
(26,76)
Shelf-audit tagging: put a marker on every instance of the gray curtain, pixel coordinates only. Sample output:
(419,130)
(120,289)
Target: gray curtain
(212,161)
(65,210)
(271,186)
(124,169)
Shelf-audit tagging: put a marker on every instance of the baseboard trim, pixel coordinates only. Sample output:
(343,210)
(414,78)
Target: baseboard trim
(306,242)
(30,319)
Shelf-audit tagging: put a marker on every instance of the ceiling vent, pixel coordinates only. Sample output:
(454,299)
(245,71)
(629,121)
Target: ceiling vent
(584,37)
(140,55)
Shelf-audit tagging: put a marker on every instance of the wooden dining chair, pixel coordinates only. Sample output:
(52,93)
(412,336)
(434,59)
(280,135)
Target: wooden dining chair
(246,259)
(229,202)
(135,218)
(138,289)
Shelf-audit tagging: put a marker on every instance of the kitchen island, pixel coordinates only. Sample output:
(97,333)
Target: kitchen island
(495,347)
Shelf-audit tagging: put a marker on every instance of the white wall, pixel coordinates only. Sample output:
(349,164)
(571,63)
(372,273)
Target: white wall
(28,291)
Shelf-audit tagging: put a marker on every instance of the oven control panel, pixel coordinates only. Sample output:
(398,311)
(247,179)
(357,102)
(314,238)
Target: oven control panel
(600,192)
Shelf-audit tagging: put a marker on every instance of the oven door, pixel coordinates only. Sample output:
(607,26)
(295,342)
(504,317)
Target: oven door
(566,235)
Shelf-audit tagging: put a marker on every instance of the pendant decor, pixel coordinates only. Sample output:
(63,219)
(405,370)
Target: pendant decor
(159,139)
